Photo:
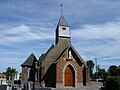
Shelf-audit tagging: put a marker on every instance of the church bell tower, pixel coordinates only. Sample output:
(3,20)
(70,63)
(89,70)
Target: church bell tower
(62,31)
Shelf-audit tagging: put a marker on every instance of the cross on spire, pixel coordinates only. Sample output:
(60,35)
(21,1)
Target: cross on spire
(61,9)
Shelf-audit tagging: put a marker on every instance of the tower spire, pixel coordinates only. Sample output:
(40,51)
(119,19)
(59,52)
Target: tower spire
(62,30)
(61,9)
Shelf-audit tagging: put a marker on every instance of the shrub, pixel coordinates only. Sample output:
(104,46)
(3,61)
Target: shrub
(113,83)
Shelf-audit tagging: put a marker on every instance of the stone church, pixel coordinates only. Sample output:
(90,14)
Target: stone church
(61,65)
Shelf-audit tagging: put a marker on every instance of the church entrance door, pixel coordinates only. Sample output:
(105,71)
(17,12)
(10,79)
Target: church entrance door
(69,76)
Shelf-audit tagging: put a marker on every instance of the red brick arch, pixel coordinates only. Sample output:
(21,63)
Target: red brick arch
(69,76)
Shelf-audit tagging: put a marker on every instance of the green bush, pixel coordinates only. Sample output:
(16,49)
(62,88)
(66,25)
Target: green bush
(113,83)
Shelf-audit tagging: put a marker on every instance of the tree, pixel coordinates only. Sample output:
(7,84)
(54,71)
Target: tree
(118,70)
(90,64)
(113,70)
(9,72)
(102,73)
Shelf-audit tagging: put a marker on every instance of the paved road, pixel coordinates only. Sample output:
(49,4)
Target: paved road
(91,86)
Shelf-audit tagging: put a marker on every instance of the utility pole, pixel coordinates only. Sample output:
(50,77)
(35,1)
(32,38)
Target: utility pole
(96,67)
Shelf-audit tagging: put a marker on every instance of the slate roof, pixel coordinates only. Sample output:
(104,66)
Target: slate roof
(55,53)
(51,56)
(42,57)
(29,61)
(62,22)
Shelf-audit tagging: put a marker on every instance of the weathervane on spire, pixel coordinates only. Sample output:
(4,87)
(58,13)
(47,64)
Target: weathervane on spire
(61,9)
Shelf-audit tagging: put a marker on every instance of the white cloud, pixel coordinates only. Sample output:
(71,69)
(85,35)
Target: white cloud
(109,30)
(10,60)
(7,53)
(24,33)
(106,58)
(100,41)
(109,63)
(95,40)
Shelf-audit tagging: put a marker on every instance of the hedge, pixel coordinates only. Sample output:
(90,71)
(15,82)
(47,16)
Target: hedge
(113,83)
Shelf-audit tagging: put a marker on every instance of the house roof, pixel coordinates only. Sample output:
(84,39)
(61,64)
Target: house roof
(42,57)
(52,55)
(29,61)
(71,47)
(2,75)
(55,53)
(62,22)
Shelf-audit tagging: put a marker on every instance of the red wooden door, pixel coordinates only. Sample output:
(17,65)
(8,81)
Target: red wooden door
(69,77)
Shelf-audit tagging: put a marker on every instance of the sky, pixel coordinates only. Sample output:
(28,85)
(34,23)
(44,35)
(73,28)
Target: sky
(28,26)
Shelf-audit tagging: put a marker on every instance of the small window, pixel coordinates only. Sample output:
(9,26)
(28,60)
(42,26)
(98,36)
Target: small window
(63,28)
